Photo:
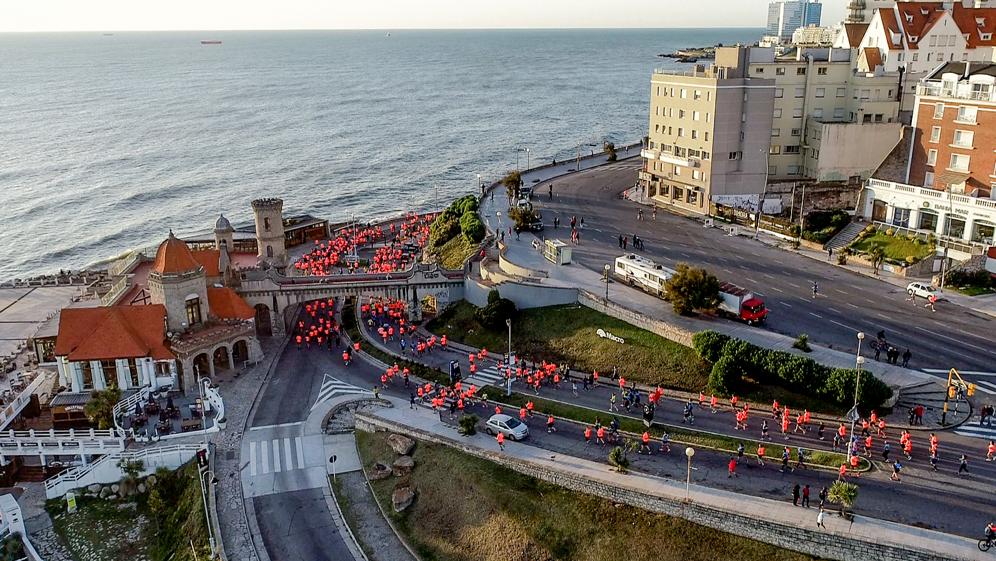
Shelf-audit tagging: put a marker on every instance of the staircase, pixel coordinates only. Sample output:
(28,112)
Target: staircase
(845,236)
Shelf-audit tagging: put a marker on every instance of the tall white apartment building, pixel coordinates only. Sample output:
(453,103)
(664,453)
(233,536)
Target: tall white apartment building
(785,16)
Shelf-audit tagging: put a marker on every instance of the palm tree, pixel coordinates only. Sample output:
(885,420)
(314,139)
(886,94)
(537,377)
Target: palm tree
(843,493)
(100,409)
(877,256)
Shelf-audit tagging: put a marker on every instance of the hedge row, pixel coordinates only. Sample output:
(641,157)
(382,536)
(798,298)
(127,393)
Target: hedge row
(734,360)
(458,218)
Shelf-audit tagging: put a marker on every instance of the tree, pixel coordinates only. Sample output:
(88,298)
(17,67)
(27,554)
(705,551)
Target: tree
(877,255)
(512,183)
(843,493)
(691,289)
(522,217)
(100,409)
(618,459)
(468,425)
(498,309)
(131,470)
(610,149)
(471,227)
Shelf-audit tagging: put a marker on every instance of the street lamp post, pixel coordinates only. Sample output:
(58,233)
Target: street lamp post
(764,193)
(207,512)
(508,365)
(480,185)
(607,283)
(689,452)
(858,361)
(527,159)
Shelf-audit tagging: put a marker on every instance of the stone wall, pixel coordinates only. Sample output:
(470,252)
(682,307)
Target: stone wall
(816,543)
(819,196)
(664,329)
(524,295)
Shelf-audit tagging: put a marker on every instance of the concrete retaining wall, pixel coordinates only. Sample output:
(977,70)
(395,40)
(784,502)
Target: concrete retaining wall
(817,543)
(524,295)
(664,329)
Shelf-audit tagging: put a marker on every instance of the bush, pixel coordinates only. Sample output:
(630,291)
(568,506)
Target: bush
(692,288)
(465,204)
(443,229)
(802,343)
(959,277)
(618,459)
(725,376)
(496,312)
(843,493)
(842,258)
(709,344)
(821,226)
(610,149)
(890,232)
(471,227)
(468,425)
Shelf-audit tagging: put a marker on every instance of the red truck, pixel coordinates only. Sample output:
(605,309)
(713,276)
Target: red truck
(741,303)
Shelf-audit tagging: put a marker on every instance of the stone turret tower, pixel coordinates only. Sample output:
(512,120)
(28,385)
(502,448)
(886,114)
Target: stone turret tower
(270,241)
(224,234)
(178,282)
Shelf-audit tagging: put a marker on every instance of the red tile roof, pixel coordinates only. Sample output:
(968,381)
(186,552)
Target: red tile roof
(173,257)
(113,332)
(209,259)
(225,303)
(855,32)
(974,22)
(873,57)
(891,26)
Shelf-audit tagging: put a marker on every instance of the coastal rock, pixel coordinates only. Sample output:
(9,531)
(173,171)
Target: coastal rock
(402,498)
(112,497)
(115,488)
(151,480)
(402,445)
(93,489)
(380,471)
(403,466)
(141,488)
(104,492)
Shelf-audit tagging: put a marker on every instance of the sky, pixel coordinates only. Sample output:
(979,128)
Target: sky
(146,15)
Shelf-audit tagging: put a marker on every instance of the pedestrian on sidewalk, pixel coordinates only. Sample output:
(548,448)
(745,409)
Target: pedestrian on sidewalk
(963,464)
(824,492)
(820,518)
(501,441)
(732,468)
(639,215)
(805,495)
(829,253)
(906,358)
(795,495)
(411,400)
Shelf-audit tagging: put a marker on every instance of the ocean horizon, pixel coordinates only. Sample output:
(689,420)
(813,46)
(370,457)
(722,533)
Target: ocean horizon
(110,141)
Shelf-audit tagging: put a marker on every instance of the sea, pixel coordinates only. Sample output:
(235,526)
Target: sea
(108,141)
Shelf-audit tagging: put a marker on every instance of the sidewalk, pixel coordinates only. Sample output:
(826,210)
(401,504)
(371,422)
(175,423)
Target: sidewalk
(781,522)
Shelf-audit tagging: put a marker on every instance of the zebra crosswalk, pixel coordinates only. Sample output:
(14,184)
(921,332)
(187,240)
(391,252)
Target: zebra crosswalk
(489,376)
(332,387)
(973,429)
(276,455)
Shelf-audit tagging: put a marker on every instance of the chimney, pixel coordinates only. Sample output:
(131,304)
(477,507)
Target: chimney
(966,69)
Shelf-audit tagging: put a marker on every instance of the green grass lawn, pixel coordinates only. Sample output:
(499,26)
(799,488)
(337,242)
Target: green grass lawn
(895,248)
(974,290)
(453,253)
(100,530)
(470,509)
(567,333)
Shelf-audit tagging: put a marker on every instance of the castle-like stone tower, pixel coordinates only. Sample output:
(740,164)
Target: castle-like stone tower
(224,234)
(269,214)
(178,282)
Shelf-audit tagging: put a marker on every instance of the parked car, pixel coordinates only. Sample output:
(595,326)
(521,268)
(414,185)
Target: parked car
(526,192)
(509,426)
(920,290)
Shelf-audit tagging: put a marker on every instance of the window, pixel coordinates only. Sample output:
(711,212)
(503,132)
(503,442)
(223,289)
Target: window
(797,112)
(867,118)
(821,71)
(800,92)
(707,136)
(931,157)
(681,113)
(959,162)
(793,170)
(776,132)
(796,132)
(708,117)
(133,373)
(695,115)
(818,112)
(775,149)
(743,117)
(705,155)
(693,197)
(759,70)
(110,370)
(821,92)
(681,131)
(801,71)
(193,306)
(838,113)
(935,134)
(865,94)
(666,148)
(963,139)
(694,153)
(677,171)
(928,179)
(269,251)
(967,114)
(696,94)
(841,92)
(916,56)
(87,370)
(680,152)
(696,174)
(778,113)
(814,153)
(779,92)
(266,224)
(734,155)
(695,134)
(878,117)
(939,111)
(794,149)
(929,56)
(683,93)
(933,41)
(780,71)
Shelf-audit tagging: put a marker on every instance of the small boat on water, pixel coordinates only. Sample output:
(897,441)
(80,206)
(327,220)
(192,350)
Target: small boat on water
(210,42)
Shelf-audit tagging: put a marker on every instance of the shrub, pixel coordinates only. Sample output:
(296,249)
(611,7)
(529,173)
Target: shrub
(610,149)
(725,376)
(471,227)
(979,278)
(468,425)
(802,343)
(618,459)
(709,344)
(692,288)
(465,204)
(498,309)
(843,493)
(842,258)
(443,228)
(870,229)
(890,232)
(910,259)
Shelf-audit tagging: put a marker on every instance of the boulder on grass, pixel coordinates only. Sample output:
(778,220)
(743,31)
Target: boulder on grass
(402,498)
(402,445)
(93,489)
(403,466)
(104,492)
(380,471)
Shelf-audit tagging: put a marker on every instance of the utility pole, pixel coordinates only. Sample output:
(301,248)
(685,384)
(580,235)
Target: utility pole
(764,193)
(947,243)
(802,211)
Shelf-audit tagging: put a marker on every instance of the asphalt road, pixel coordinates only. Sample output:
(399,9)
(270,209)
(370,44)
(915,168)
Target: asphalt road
(847,303)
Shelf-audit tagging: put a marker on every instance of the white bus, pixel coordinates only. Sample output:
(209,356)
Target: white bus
(642,272)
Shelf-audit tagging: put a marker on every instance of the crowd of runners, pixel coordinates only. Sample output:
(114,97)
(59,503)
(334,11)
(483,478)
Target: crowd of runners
(395,247)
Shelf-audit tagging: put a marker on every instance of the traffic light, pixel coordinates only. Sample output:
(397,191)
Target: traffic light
(951,392)
(971,390)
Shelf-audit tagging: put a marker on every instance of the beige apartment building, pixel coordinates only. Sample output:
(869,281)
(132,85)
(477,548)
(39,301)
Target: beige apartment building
(708,138)
(829,122)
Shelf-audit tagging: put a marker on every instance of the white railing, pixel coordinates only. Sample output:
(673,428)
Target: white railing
(671,159)
(961,200)
(14,408)
(125,264)
(214,400)
(58,442)
(127,404)
(117,290)
(649,154)
(956,90)
(106,470)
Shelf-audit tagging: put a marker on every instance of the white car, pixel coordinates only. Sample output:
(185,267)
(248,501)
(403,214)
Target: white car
(920,290)
(509,426)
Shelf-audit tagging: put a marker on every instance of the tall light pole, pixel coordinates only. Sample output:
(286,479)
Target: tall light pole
(527,159)
(689,452)
(764,193)
(480,185)
(607,268)
(858,361)
(517,150)
(207,512)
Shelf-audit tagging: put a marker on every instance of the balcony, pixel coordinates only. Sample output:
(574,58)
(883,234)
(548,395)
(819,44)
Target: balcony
(959,90)
(649,154)
(687,162)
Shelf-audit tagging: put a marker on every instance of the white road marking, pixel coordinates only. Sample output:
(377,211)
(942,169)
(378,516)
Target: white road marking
(941,335)
(834,310)
(778,289)
(767,275)
(815,315)
(264,453)
(787,305)
(792,284)
(969,372)
(750,280)
(852,305)
(252,458)
(881,315)
(276,426)
(276,455)
(840,291)
(844,325)
(300,450)
(288,453)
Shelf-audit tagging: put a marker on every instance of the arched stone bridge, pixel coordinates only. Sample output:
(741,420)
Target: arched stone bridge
(274,296)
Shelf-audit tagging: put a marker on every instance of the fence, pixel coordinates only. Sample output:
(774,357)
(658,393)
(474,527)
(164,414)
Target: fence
(106,470)
(15,407)
(60,442)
